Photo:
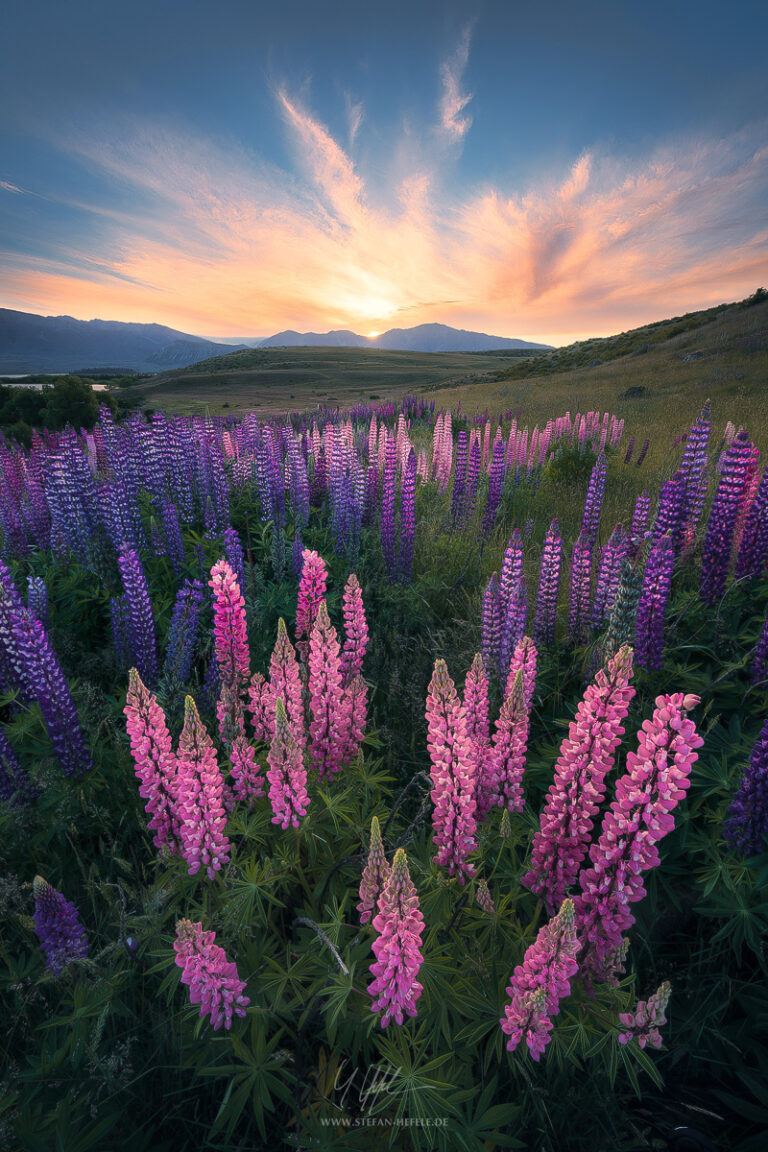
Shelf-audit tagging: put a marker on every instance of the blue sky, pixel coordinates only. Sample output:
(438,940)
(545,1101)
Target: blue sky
(542,171)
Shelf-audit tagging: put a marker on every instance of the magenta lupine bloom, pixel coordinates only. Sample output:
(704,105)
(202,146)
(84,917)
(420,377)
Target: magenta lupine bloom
(747,824)
(484,898)
(502,781)
(355,711)
(641,815)
(643,1024)
(375,874)
(574,797)
(246,773)
(230,628)
(286,773)
(399,925)
(58,927)
(541,982)
(329,725)
(523,660)
(716,556)
(453,775)
(312,586)
(652,608)
(200,806)
(355,630)
(549,587)
(285,681)
(259,704)
(212,979)
(581,590)
(475,705)
(154,760)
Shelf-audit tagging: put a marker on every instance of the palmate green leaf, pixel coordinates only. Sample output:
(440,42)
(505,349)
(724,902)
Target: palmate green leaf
(260,1074)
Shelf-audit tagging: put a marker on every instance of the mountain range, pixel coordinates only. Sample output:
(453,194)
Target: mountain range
(31,343)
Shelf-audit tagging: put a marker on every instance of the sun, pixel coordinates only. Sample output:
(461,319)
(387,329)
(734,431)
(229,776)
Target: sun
(372,335)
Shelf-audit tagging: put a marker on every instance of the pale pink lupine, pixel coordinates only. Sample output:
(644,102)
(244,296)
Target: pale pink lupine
(200,806)
(374,876)
(259,703)
(643,1024)
(355,630)
(484,898)
(248,784)
(399,925)
(212,979)
(230,628)
(475,705)
(656,778)
(154,760)
(541,982)
(286,773)
(312,586)
(453,776)
(574,798)
(523,660)
(329,706)
(506,762)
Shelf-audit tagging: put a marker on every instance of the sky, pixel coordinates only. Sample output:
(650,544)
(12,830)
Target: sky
(542,171)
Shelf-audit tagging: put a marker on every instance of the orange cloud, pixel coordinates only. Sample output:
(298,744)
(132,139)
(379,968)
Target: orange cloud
(220,242)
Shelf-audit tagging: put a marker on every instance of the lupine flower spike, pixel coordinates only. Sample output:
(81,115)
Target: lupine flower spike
(399,925)
(374,876)
(747,824)
(58,928)
(212,979)
(643,1024)
(312,586)
(286,774)
(155,762)
(200,806)
(453,775)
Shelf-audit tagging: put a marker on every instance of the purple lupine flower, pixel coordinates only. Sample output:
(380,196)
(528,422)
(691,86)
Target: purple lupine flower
(574,798)
(657,777)
(297,554)
(212,979)
(541,982)
(495,485)
(143,643)
(407,522)
(375,874)
(399,925)
(581,590)
(593,502)
(639,525)
(233,553)
(58,927)
(715,561)
(511,570)
(388,510)
(473,478)
(183,632)
(491,625)
(513,626)
(458,496)
(652,608)
(753,550)
(630,450)
(37,599)
(608,573)
(643,451)
(694,462)
(759,666)
(643,1024)
(15,785)
(549,587)
(670,516)
(747,819)
(299,484)
(174,541)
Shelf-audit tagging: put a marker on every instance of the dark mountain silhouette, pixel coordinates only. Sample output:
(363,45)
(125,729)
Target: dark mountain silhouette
(422,338)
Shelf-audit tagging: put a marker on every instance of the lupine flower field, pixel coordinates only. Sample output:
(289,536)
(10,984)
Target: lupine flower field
(393,777)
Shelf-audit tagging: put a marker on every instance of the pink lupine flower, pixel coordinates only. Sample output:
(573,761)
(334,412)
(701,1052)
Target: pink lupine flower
(453,775)
(286,774)
(643,1024)
(154,760)
(212,979)
(641,815)
(574,798)
(285,681)
(476,714)
(510,746)
(200,804)
(230,628)
(355,630)
(541,982)
(484,898)
(399,925)
(328,705)
(355,712)
(523,660)
(375,874)
(259,701)
(246,773)
(312,585)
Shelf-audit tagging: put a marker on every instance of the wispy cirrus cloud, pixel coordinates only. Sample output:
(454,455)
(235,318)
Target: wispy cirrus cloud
(212,239)
(454,101)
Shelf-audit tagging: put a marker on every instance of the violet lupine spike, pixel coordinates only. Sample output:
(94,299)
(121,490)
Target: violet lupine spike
(523,660)
(453,776)
(407,521)
(233,552)
(484,898)
(753,550)
(652,607)
(495,485)
(643,452)
(473,478)
(541,982)
(58,927)
(37,599)
(694,462)
(746,825)
(502,782)
(670,516)
(643,1024)
(141,620)
(399,925)
(200,805)
(581,590)
(388,489)
(312,587)
(154,762)
(375,874)
(657,777)
(577,791)
(593,502)
(639,525)
(491,625)
(286,773)
(549,587)
(355,630)
(230,628)
(458,494)
(329,724)
(630,450)
(608,571)
(212,979)
(15,785)
(758,670)
(511,567)
(183,632)
(716,556)
(513,627)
